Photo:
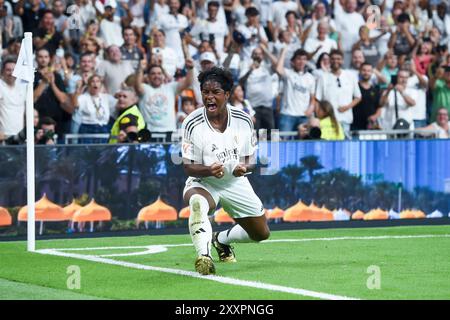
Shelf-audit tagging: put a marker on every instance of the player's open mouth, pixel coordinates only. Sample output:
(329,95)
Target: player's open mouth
(211,107)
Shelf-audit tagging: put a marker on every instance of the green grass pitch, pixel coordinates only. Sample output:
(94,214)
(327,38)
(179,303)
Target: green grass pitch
(413,263)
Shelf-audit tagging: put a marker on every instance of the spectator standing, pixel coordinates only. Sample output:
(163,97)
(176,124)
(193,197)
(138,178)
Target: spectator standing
(401,96)
(348,22)
(130,118)
(130,49)
(30,15)
(94,108)
(172,24)
(257,81)
(50,98)
(319,15)
(157,99)
(298,91)
(367,112)
(419,83)
(402,40)
(321,44)
(168,57)
(253,33)
(111,25)
(80,79)
(114,70)
(212,29)
(440,84)
(47,36)
(339,87)
(12,100)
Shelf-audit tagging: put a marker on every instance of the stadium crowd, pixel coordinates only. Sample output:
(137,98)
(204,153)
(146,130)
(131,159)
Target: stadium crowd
(123,66)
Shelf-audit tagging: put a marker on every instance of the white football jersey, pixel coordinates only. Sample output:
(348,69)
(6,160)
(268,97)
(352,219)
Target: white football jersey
(205,145)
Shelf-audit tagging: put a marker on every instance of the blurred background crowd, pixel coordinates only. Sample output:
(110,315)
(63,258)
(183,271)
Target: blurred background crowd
(316,69)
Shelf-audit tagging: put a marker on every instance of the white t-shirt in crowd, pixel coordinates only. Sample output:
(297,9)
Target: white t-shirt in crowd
(298,88)
(250,33)
(265,13)
(95,110)
(313,33)
(327,45)
(12,108)
(114,74)
(328,89)
(442,133)
(157,106)
(259,87)
(170,63)
(388,119)
(111,32)
(279,9)
(172,26)
(348,25)
(205,28)
(419,112)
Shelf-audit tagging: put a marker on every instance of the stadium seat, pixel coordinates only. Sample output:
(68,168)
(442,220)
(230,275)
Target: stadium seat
(157,211)
(221,216)
(45,210)
(5,218)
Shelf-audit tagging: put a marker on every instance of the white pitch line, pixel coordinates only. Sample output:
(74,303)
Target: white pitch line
(225,280)
(270,241)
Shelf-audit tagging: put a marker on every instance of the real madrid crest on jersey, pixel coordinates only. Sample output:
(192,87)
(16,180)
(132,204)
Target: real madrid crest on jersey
(236,139)
(214,148)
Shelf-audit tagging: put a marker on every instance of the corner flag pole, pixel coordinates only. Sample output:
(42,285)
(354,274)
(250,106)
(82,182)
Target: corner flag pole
(31,226)
(24,71)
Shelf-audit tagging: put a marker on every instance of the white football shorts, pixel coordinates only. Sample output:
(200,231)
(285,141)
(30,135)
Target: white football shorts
(237,198)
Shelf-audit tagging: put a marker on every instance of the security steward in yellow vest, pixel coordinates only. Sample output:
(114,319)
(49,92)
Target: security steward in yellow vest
(130,118)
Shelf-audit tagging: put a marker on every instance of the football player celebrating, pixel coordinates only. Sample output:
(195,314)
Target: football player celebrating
(218,152)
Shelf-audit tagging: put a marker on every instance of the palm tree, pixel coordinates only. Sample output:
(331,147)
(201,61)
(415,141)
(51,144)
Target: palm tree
(292,175)
(311,164)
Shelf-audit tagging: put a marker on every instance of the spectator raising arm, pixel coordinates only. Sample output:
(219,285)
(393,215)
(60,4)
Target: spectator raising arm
(138,85)
(187,82)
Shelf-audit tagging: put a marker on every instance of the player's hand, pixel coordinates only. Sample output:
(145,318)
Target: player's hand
(239,171)
(217,170)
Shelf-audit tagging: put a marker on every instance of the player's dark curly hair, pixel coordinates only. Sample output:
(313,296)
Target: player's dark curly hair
(219,75)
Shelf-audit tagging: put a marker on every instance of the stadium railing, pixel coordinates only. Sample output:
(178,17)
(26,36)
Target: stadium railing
(284,135)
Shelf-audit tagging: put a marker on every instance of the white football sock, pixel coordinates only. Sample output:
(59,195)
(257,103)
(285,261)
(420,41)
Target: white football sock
(233,235)
(199,225)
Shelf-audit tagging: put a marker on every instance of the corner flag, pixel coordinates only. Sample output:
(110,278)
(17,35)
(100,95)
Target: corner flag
(25,72)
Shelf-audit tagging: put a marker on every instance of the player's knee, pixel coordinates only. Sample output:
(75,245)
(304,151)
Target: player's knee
(261,235)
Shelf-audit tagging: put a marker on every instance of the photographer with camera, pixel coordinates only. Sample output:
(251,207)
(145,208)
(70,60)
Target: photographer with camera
(130,121)
(45,133)
(397,102)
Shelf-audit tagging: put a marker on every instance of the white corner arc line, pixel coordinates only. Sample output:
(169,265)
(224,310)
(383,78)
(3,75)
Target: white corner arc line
(225,280)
